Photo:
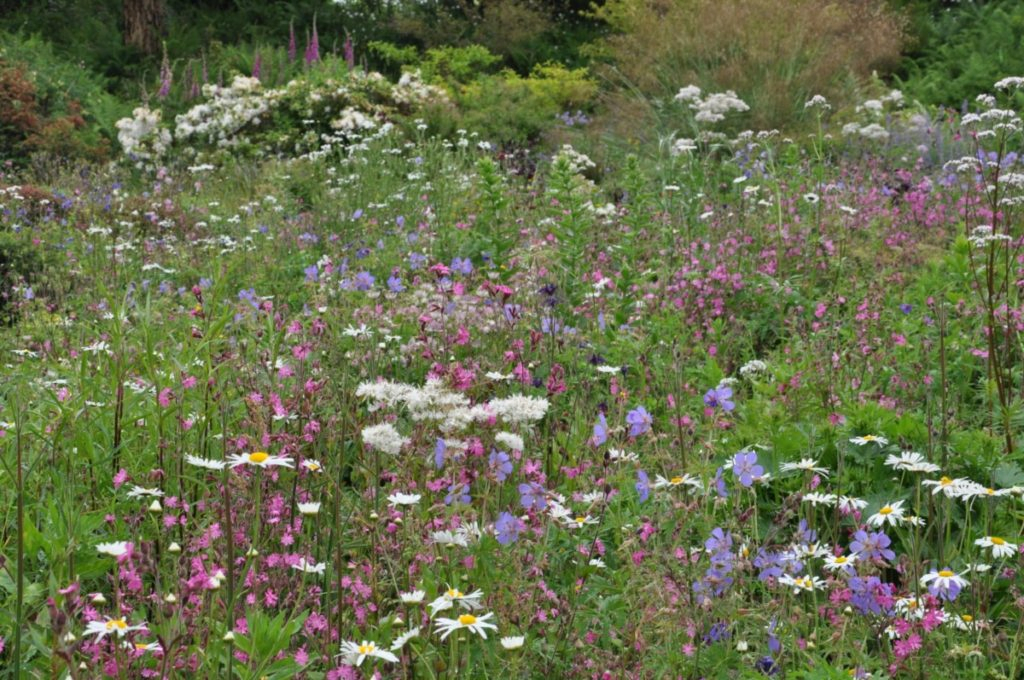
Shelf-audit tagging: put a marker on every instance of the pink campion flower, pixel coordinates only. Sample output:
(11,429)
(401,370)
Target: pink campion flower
(904,648)
(188,382)
(165,397)
(120,478)
(63,394)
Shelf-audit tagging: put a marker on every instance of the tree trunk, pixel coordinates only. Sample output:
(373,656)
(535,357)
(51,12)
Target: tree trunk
(143,24)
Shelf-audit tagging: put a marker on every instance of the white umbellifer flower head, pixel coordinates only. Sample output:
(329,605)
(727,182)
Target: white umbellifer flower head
(355,654)
(890,513)
(116,549)
(817,102)
(1000,546)
(512,642)
(688,94)
(512,441)
(475,624)
(260,459)
(519,408)
(309,508)
(384,438)
(118,627)
(682,146)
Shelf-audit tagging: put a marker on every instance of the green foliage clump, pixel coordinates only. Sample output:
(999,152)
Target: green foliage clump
(962,51)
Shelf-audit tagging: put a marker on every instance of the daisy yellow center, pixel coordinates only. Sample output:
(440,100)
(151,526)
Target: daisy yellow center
(967,618)
(119,624)
(467,619)
(912,604)
(581,520)
(676,480)
(454,594)
(141,646)
(366,649)
(946,573)
(840,560)
(313,466)
(996,540)
(801,582)
(259,457)
(945,481)
(887,510)
(869,437)
(990,492)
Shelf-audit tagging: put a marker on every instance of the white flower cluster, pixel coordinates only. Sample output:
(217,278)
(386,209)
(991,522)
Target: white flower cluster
(982,235)
(385,438)
(141,136)
(410,90)
(577,162)
(713,107)
(871,131)
(227,111)
(753,369)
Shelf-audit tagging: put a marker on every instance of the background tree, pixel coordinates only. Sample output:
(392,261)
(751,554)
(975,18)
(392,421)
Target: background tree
(144,24)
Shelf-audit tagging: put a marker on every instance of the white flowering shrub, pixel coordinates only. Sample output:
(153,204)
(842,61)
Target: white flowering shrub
(142,138)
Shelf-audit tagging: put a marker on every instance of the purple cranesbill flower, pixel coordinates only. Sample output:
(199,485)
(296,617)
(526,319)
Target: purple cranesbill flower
(600,430)
(532,496)
(745,467)
(639,421)
(720,483)
(643,485)
(312,273)
(870,595)
(719,397)
(439,450)
(457,493)
(507,528)
(462,265)
(718,632)
(906,308)
(872,546)
(500,464)
(395,284)
(417,261)
(719,541)
(769,565)
(364,280)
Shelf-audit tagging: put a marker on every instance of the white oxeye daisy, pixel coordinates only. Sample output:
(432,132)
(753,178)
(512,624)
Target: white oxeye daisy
(890,513)
(310,567)
(869,439)
(139,492)
(814,498)
(801,583)
(679,480)
(259,459)
(144,646)
(397,499)
(413,597)
(1000,546)
(841,562)
(207,463)
(911,461)
(116,549)
(579,521)
(951,488)
(119,626)
(309,508)
(512,642)
(475,624)
(806,465)
(356,654)
(453,595)
(402,639)
(966,622)
(849,504)
(944,579)
(312,465)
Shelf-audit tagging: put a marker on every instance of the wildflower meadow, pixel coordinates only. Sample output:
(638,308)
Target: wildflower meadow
(302,382)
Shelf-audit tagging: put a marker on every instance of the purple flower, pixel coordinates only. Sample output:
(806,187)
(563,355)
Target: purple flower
(720,484)
(869,595)
(457,493)
(312,273)
(745,467)
(719,541)
(639,421)
(507,528)
(462,265)
(643,485)
(532,496)
(364,281)
(395,283)
(872,546)
(600,430)
(500,465)
(439,449)
(417,261)
(719,397)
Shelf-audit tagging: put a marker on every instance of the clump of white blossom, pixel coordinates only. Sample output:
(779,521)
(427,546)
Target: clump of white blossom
(141,137)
